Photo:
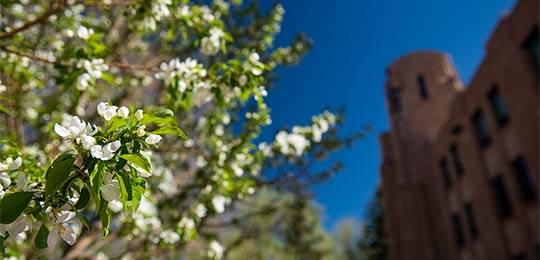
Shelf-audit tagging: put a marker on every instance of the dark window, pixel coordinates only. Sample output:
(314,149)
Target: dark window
(501,197)
(422,87)
(471,220)
(481,128)
(458,230)
(524,179)
(394,99)
(457,129)
(447,179)
(497,105)
(520,256)
(532,47)
(456,159)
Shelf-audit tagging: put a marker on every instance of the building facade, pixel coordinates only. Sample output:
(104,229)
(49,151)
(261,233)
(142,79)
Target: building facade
(460,166)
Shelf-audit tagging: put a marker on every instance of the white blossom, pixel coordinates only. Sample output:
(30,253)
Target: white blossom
(238,171)
(5,180)
(153,139)
(123,112)
(160,9)
(107,111)
(93,67)
(83,81)
(140,131)
(169,236)
(216,250)
(84,33)
(186,223)
(16,227)
(88,141)
(256,71)
(242,80)
(115,205)
(211,44)
(219,203)
(200,210)
(254,57)
(105,152)
(68,226)
(15,164)
(72,130)
(287,140)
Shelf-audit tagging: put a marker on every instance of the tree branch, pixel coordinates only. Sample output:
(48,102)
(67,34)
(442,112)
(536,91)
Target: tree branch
(119,65)
(116,3)
(29,24)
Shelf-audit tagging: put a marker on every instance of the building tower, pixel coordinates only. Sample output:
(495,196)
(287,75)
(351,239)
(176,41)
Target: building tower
(421,87)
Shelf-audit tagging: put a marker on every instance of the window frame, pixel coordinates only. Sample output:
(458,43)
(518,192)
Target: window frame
(456,160)
(498,106)
(444,169)
(501,197)
(470,215)
(422,87)
(524,179)
(528,45)
(483,134)
(457,227)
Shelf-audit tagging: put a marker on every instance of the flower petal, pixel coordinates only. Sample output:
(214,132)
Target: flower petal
(61,131)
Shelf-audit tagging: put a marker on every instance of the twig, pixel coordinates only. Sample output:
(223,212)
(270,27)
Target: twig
(29,24)
(116,3)
(32,56)
(72,64)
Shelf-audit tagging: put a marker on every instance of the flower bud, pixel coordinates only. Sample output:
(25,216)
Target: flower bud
(123,112)
(139,115)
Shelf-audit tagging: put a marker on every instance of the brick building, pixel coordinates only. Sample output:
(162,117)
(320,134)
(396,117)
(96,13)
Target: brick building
(460,165)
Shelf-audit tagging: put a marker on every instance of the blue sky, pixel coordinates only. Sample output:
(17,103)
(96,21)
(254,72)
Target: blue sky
(354,42)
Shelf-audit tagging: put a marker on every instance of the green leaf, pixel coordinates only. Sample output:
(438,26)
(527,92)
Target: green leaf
(115,123)
(96,179)
(138,185)
(2,247)
(164,113)
(173,130)
(152,119)
(83,199)
(108,78)
(125,186)
(41,238)
(58,173)
(12,205)
(138,160)
(105,218)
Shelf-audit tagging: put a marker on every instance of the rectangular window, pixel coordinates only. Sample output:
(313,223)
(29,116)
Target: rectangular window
(501,197)
(458,230)
(481,128)
(422,87)
(498,106)
(532,47)
(471,220)
(524,179)
(456,159)
(394,99)
(445,173)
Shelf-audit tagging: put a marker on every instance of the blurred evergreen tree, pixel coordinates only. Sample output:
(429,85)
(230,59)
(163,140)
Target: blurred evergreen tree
(373,244)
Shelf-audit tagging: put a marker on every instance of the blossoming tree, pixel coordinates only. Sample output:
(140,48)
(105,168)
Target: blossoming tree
(128,126)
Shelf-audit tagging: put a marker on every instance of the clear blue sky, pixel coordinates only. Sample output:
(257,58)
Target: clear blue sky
(354,41)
